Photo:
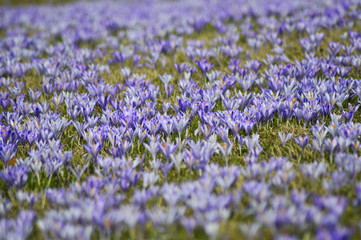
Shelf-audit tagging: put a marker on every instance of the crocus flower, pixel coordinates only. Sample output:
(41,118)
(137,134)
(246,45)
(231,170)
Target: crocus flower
(15,176)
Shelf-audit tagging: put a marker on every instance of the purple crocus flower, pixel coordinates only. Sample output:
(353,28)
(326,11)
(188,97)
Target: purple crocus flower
(284,137)
(302,141)
(93,149)
(204,65)
(15,176)
(7,150)
(168,148)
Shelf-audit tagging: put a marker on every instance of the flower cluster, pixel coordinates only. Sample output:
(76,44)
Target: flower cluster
(138,118)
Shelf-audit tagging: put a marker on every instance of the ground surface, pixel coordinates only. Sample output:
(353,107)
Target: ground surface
(180,120)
